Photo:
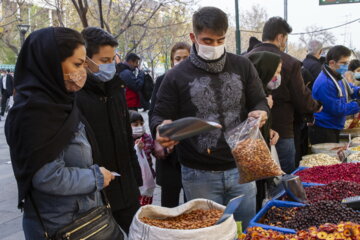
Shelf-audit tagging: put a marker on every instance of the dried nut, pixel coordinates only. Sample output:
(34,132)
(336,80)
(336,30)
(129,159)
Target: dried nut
(319,159)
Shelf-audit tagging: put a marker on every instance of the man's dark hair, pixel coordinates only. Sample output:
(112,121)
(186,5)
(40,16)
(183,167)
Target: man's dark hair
(210,18)
(275,26)
(354,64)
(96,38)
(8,70)
(132,57)
(67,40)
(337,52)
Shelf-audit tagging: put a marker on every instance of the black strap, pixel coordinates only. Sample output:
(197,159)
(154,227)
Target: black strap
(46,234)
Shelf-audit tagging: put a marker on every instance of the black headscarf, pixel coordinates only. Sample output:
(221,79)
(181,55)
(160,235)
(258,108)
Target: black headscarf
(266,64)
(44,117)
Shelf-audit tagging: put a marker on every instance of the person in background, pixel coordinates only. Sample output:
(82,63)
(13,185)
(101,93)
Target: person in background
(7,88)
(103,104)
(268,66)
(52,148)
(215,85)
(134,80)
(339,98)
(353,73)
(312,60)
(292,93)
(168,169)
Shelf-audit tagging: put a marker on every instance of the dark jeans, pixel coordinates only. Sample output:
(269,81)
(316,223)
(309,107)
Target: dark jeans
(4,100)
(170,196)
(286,152)
(301,139)
(323,135)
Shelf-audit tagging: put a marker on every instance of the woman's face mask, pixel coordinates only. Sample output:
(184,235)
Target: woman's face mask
(274,83)
(74,81)
(138,131)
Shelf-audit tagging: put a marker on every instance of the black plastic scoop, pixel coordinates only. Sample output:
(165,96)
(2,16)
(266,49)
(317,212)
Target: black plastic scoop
(187,127)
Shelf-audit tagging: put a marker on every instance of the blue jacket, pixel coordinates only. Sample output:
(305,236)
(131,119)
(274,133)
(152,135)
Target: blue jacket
(64,188)
(335,108)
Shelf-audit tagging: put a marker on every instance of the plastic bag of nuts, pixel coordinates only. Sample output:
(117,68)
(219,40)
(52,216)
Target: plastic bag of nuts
(252,155)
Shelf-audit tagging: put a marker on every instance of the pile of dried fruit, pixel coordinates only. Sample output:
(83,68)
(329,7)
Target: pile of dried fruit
(254,161)
(300,218)
(328,174)
(328,231)
(319,159)
(334,191)
(195,219)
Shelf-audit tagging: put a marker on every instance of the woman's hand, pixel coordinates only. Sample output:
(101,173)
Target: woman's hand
(108,177)
(274,137)
(270,101)
(139,143)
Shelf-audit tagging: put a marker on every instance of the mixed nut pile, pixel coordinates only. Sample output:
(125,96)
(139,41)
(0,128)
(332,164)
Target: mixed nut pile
(300,218)
(319,159)
(254,160)
(194,219)
(344,230)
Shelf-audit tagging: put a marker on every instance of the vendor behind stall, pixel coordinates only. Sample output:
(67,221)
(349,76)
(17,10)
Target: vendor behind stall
(339,98)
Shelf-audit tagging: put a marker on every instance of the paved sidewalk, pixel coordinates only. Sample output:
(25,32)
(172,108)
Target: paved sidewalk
(10,216)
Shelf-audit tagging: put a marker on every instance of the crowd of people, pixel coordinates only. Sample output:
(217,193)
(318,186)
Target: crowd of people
(75,133)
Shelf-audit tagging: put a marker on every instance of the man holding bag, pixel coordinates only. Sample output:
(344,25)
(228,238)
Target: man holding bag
(215,85)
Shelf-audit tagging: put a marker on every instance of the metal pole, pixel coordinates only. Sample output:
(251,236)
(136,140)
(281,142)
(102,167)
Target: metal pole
(22,37)
(237,32)
(285,10)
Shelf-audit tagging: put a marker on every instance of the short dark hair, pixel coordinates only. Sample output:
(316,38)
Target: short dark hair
(337,52)
(178,46)
(354,64)
(132,57)
(8,70)
(67,40)
(96,38)
(211,18)
(275,26)
(135,116)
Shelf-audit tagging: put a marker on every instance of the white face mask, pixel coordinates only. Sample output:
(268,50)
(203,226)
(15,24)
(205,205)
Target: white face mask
(274,83)
(138,131)
(210,52)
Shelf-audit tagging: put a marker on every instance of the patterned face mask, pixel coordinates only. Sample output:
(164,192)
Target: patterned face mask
(78,77)
(274,83)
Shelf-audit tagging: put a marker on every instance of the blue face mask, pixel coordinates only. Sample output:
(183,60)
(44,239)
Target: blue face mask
(106,72)
(357,76)
(343,69)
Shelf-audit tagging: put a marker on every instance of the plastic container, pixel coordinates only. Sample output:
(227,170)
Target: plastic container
(255,222)
(298,170)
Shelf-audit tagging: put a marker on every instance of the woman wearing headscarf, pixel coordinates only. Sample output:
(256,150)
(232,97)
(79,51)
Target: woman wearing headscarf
(52,149)
(268,66)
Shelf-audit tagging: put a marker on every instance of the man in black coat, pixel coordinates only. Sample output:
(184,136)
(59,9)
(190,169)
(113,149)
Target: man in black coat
(7,88)
(312,61)
(102,102)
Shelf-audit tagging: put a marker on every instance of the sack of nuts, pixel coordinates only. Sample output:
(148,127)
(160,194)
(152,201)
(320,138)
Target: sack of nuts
(251,154)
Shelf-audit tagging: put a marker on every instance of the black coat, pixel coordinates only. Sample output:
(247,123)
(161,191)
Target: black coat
(9,85)
(168,170)
(312,64)
(104,107)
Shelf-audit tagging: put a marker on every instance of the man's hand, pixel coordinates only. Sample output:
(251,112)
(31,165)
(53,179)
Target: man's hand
(164,141)
(270,101)
(320,109)
(274,137)
(159,151)
(259,114)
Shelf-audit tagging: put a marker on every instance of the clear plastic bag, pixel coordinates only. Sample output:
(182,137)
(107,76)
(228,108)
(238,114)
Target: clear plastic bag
(252,155)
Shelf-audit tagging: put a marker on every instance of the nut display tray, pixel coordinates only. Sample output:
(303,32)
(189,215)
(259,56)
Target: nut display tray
(283,193)
(255,222)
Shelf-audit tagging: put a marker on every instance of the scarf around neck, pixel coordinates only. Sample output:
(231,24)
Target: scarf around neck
(211,66)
